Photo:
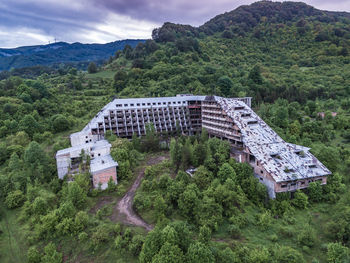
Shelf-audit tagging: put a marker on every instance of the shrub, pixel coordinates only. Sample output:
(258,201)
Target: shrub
(264,220)
(101,234)
(15,199)
(83,236)
(33,255)
(307,237)
(234,231)
(273,238)
(286,231)
(136,244)
(285,254)
(51,254)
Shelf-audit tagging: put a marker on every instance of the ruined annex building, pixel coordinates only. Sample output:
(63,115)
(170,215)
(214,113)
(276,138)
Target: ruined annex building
(279,165)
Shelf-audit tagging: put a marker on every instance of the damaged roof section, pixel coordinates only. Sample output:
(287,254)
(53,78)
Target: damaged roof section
(284,161)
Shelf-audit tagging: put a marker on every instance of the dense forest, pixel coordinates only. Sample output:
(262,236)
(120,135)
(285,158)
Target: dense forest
(291,58)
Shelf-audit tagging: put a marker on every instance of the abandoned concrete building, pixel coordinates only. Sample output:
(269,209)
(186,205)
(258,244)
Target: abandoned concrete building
(102,166)
(281,166)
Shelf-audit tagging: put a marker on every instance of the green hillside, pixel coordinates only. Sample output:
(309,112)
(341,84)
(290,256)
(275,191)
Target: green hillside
(291,58)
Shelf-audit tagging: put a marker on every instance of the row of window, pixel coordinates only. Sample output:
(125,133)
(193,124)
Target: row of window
(149,103)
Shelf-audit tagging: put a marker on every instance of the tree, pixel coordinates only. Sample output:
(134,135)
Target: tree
(40,206)
(136,243)
(300,200)
(151,246)
(111,185)
(315,192)
(60,123)
(337,253)
(15,199)
(29,125)
(255,75)
(226,172)
(285,254)
(199,153)
(51,255)
(150,142)
(199,253)
(225,83)
(204,234)
(160,206)
(189,201)
(35,159)
(15,164)
(92,68)
(76,195)
(120,80)
(202,177)
(81,221)
(307,237)
(33,255)
(169,253)
(3,153)
(209,213)
(175,152)
(186,154)
(260,255)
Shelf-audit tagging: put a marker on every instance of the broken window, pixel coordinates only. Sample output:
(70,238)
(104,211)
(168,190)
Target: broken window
(276,156)
(300,153)
(252,122)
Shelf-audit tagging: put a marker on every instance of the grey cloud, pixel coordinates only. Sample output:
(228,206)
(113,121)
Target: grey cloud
(193,12)
(80,20)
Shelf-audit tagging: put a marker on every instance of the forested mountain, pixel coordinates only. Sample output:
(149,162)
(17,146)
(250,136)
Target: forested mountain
(60,52)
(291,58)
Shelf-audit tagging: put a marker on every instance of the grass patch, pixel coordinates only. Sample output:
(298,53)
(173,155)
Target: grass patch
(12,240)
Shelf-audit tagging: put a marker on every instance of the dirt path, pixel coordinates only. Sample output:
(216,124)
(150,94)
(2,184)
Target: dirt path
(126,214)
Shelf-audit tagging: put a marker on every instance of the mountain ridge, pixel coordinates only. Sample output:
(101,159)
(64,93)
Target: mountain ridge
(60,52)
(247,17)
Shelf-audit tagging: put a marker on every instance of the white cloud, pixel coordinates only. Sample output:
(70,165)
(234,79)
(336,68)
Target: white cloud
(123,27)
(23,36)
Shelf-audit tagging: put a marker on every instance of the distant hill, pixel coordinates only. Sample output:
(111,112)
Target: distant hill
(247,18)
(60,52)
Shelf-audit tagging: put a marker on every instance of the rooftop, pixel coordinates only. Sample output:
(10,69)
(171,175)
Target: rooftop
(284,161)
(102,163)
(140,103)
(91,146)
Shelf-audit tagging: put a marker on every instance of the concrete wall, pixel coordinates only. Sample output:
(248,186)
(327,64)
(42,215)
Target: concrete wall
(300,184)
(63,164)
(103,177)
(80,138)
(100,152)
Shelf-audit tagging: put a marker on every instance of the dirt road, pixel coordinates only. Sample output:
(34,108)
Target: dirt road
(126,214)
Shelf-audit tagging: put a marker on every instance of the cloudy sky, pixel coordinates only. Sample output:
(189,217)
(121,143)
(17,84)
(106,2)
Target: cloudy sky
(32,22)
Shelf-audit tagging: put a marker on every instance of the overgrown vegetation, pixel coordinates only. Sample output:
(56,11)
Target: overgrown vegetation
(294,62)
